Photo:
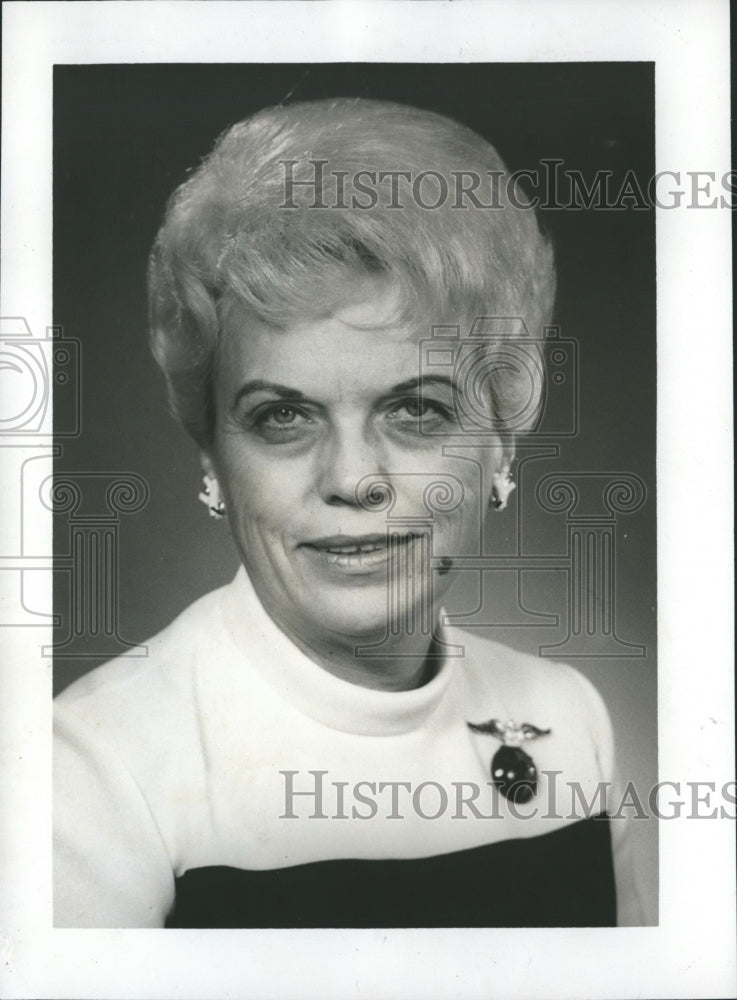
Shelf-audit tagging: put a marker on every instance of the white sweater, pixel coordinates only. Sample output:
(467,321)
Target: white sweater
(196,755)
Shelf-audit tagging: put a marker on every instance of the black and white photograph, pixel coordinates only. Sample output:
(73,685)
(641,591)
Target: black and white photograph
(420,450)
(345,543)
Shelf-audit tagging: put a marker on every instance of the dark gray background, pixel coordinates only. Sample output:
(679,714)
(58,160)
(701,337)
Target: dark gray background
(124,137)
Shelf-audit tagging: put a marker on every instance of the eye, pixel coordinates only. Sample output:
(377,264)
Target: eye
(416,408)
(418,414)
(284,415)
(281,421)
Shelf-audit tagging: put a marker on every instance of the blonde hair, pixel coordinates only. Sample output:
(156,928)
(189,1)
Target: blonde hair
(260,223)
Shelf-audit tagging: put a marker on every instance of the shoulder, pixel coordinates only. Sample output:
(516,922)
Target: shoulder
(129,733)
(150,684)
(541,691)
(490,663)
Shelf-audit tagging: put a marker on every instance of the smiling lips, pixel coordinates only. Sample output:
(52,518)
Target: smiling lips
(361,553)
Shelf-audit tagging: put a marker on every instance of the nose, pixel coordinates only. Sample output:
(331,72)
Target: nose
(350,459)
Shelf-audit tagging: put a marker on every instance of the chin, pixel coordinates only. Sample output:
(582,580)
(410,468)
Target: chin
(363,618)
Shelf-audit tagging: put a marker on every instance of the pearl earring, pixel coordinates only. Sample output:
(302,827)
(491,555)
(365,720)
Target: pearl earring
(211,497)
(502,486)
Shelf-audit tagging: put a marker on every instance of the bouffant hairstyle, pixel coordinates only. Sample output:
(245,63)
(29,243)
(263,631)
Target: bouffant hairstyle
(295,201)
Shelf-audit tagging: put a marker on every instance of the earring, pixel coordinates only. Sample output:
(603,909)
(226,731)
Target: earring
(211,498)
(502,486)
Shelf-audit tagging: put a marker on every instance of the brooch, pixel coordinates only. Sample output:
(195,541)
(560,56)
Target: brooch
(512,769)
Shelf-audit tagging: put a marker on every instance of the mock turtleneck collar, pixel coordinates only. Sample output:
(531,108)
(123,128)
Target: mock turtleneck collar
(312,689)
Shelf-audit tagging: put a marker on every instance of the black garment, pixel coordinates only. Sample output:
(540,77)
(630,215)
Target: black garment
(559,879)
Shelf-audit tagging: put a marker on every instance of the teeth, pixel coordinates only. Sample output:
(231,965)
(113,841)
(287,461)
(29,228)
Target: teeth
(365,549)
(349,550)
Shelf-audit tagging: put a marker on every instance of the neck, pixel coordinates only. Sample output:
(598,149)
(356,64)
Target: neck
(400,663)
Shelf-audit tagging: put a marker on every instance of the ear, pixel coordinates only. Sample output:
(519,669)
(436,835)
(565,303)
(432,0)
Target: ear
(211,495)
(207,464)
(508,453)
(497,461)
(501,457)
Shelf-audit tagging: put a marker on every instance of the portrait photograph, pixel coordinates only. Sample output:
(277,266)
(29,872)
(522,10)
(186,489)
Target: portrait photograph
(414,561)
(346,555)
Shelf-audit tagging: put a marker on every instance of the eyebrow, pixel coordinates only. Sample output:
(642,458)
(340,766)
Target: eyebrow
(422,381)
(259,385)
(286,392)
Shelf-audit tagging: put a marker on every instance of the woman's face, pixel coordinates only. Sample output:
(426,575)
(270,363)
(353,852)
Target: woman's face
(307,414)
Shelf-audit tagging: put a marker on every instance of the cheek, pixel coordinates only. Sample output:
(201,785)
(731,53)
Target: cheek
(447,489)
(258,482)
(456,533)
(458,507)
(263,509)
(257,508)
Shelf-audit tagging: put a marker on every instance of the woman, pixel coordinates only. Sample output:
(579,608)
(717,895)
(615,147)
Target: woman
(347,324)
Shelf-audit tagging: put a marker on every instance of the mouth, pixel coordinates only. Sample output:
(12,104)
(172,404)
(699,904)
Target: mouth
(357,553)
